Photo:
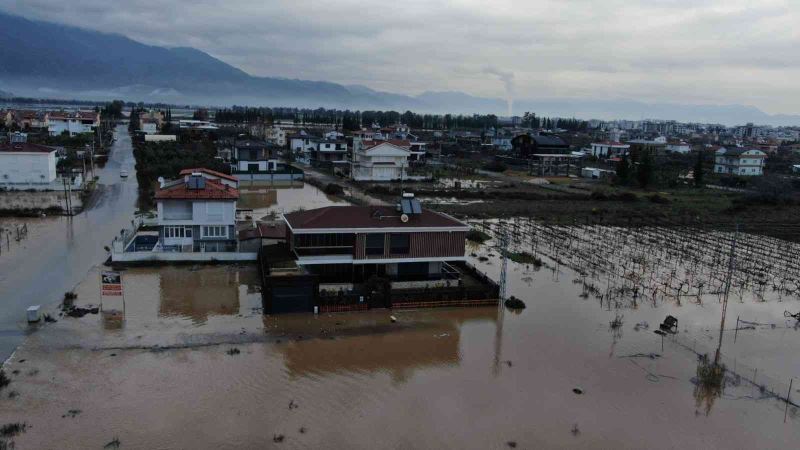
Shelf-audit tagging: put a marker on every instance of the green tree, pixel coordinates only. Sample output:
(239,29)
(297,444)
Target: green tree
(644,173)
(698,169)
(623,171)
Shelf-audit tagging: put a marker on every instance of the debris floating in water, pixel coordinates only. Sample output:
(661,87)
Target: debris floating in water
(514,303)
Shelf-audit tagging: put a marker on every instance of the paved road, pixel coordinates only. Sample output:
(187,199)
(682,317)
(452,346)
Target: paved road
(60,253)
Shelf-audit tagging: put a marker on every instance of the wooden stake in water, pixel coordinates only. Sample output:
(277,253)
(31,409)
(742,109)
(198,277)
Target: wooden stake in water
(788,396)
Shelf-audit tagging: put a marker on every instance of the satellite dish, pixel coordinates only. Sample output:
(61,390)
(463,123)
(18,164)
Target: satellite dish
(404,218)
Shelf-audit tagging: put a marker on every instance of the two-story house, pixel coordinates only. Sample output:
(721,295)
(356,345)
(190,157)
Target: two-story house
(739,161)
(379,161)
(76,122)
(276,135)
(331,150)
(352,243)
(304,146)
(197,213)
(254,156)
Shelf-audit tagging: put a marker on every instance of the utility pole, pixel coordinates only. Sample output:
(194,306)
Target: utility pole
(66,196)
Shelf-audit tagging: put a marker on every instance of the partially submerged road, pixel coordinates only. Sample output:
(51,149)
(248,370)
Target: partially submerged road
(63,249)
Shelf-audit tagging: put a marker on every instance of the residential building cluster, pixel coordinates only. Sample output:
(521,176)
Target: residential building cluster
(54,123)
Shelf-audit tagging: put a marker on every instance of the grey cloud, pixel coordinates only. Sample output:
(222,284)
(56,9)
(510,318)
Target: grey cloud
(730,50)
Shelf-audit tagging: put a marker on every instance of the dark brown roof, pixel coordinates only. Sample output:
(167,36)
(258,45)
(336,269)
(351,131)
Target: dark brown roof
(212,190)
(264,231)
(26,147)
(209,172)
(366,217)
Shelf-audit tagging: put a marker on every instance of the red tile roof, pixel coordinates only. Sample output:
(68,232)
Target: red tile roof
(209,172)
(367,217)
(213,190)
(26,147)
(63,115)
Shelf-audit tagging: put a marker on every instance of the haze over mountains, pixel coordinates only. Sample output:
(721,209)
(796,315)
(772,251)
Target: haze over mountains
(41,59)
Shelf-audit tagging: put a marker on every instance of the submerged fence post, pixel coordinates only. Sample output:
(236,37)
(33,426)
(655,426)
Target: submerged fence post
(788,395)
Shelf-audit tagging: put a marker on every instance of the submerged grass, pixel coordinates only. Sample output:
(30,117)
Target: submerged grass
(4,380)
(12,429)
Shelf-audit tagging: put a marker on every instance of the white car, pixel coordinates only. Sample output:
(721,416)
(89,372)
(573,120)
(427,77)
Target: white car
(123,173)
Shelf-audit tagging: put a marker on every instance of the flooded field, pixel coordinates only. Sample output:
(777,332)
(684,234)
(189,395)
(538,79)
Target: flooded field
(196,365)
(271,199)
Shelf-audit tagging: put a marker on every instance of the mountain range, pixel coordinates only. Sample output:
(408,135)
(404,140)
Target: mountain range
(43,59)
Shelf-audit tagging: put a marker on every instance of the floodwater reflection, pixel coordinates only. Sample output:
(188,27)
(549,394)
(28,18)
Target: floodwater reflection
(270,199)
(199,293)
(370,342)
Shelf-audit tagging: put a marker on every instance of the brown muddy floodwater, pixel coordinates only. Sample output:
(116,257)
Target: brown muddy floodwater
(196,365)
(267,199)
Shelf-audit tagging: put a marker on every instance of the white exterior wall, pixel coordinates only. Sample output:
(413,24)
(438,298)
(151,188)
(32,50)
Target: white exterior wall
(263,166)
(749,163)
(679,148)
(73,126)
(27,167)
(160,138)
(150,128)
(200,213)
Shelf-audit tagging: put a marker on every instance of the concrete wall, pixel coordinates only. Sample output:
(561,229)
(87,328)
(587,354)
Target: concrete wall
(22,200)
(136,257)
(268,176)
(160,138)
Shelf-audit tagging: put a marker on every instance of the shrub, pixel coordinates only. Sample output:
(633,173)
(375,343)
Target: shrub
(495,166)
(627,197)
(477,236)
(333,189)
(657,198)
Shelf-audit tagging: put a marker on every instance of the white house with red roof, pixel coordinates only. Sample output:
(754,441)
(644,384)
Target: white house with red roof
(72,122)
(197,213)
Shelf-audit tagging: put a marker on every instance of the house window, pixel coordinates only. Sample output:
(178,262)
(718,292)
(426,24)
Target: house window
(215,231)
(215,211)
(400,244)
(176,232)
(374,244)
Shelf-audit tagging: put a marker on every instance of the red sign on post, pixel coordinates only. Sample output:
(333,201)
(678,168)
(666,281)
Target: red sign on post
(111,283)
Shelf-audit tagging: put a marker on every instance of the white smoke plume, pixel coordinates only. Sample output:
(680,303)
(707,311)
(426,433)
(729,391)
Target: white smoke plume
(508,82)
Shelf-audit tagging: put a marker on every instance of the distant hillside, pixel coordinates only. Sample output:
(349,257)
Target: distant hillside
(43,58)
(47,60)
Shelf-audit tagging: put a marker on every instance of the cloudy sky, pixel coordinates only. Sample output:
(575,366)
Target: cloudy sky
(686,51)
